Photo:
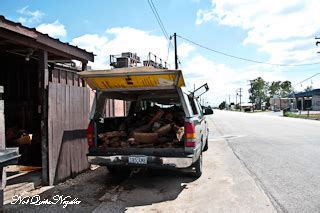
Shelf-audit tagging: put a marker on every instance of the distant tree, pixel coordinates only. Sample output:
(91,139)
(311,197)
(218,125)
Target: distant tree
(275,88)
(308,89)
(286,88)
(222,105)
(258,91)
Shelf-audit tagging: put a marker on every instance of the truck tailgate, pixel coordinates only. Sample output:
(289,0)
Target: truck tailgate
(163,152)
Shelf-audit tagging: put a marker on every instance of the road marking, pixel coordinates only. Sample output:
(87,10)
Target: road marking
(216,138)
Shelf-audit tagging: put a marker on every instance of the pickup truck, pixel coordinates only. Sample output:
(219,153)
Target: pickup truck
(146,90)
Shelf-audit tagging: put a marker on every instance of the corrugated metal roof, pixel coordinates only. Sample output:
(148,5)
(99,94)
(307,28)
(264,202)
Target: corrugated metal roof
(33,33)
(309,93)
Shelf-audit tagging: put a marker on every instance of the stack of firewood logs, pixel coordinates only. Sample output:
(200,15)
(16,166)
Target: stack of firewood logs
(155,127)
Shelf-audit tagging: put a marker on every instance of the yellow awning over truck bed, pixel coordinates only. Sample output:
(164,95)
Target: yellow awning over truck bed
(134,78)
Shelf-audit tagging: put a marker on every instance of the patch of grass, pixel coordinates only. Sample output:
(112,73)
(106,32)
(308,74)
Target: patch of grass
(258,111)
(305,116)
(262,110)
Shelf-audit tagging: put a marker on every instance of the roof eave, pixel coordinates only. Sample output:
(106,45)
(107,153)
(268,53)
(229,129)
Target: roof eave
(34,37)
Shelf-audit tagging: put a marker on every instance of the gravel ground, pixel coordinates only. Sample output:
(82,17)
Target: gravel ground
(88,187)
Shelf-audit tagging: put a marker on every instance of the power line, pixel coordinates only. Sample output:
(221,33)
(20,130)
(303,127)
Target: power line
(156,14)
(162,27)
(307,79)
(299,70)
(164,31)
(240,95)
(244,59)
(168,50)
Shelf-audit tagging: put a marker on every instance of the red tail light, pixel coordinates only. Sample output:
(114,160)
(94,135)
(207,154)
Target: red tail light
(90,134)
(190,134)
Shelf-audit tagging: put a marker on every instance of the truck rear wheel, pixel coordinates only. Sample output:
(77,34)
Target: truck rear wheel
(118,170)
(205,148)
(198,167)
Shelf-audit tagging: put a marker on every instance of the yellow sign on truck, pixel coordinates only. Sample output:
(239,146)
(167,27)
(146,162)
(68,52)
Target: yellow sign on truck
(142,78)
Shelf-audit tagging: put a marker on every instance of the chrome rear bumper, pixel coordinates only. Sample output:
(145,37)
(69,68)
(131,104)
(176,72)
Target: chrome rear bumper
(152,161)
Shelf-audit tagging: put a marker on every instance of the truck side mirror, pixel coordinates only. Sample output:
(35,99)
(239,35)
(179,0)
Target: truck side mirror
(208,111)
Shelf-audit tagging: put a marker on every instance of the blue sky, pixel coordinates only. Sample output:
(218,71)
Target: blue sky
(269,31)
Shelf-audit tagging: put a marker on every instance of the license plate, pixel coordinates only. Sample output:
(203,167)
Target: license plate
(137,159)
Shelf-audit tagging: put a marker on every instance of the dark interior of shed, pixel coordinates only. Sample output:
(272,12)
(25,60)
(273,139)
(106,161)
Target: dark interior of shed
(19,77)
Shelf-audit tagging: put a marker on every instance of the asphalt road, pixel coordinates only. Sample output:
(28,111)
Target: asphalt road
(281,154)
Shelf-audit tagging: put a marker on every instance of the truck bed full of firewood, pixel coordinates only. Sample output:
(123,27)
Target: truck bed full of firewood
(154,127)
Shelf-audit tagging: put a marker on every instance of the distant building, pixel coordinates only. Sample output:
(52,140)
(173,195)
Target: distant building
(247,106)
(278,103)
(308,100)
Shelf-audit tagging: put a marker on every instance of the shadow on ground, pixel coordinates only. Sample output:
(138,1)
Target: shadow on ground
(99,191)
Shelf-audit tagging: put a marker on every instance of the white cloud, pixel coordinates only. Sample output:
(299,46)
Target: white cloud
(128,39)
(184,50)
(283,29)
(55,29)
(223,80)
(124,39)
(28,16)
(96,44)
(204,16)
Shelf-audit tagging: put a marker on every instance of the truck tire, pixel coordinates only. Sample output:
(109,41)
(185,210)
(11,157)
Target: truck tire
(112,170)
(205,148)
(118,171)
(198,167)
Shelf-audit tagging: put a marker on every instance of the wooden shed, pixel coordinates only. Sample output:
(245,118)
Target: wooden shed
(44,97)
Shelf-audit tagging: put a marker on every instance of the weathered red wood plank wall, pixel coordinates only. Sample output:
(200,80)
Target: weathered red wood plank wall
(68,118)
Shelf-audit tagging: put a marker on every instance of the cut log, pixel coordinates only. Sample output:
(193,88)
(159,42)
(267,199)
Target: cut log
(24,139)
(143,138)
(156,117)
(105,141)
(155,126)
(162,140)
(112,134)
(115,142)
(132,141)
(124,144)
(164,130)
(145,145)
(144,128)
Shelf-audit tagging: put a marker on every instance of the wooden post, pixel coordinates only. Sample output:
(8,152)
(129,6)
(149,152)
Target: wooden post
(43,79)
(2,128)
(84,67)
(2,146)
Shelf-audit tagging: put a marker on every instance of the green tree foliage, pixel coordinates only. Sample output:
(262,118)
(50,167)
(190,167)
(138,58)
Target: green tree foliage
(308,89)
(258,91)
(222,105)
(275,88)
(286,88)
(261,91)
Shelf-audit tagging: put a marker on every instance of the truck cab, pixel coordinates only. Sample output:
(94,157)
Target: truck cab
(165,126)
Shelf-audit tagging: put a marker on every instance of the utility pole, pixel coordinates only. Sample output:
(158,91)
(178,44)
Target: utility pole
(252,98)
(175,51)
(240,91)
(229,103)
(225,103)
(236,98)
